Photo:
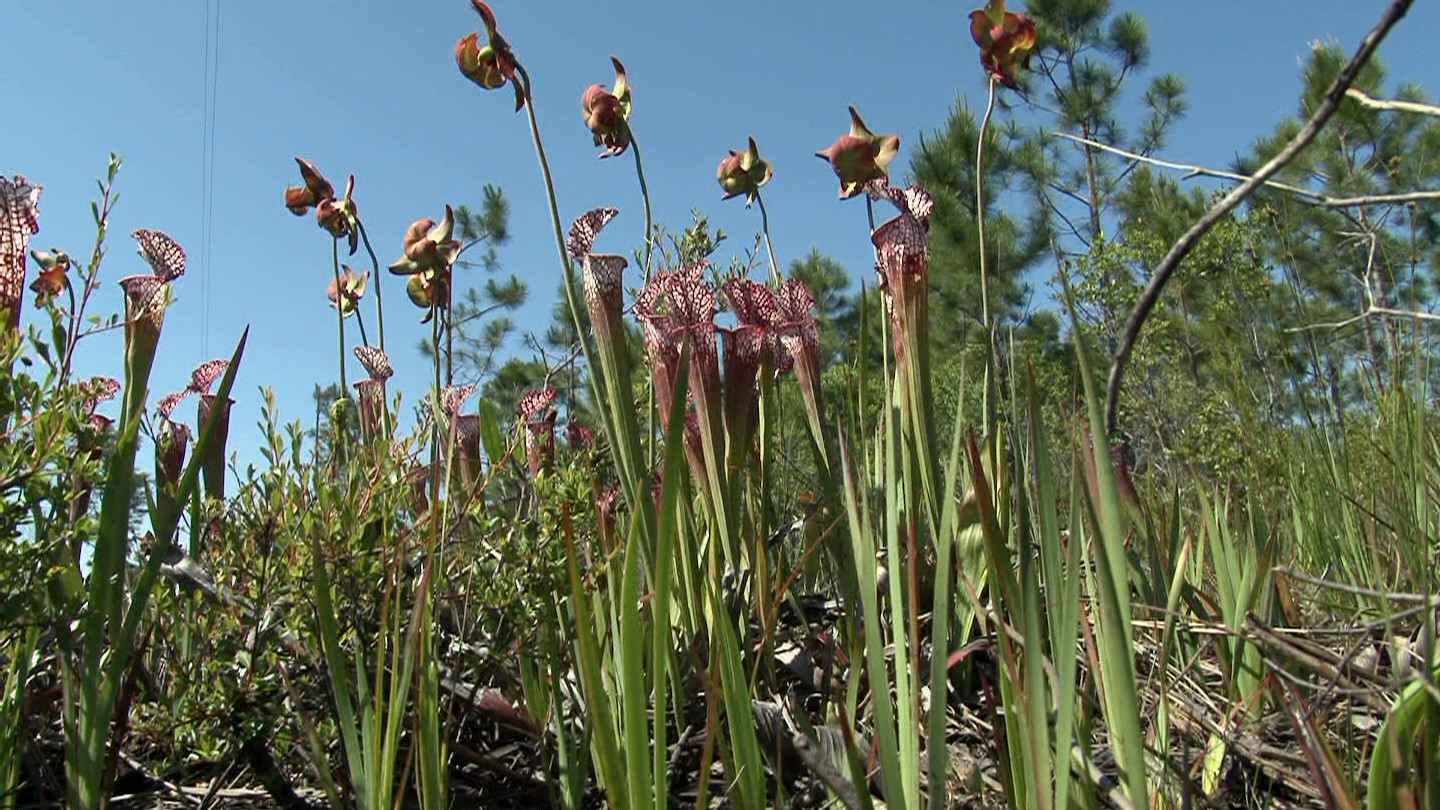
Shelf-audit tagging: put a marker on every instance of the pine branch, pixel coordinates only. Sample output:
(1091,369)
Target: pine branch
(1190,238)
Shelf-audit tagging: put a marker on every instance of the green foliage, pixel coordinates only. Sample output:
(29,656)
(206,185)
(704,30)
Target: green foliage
(633,616)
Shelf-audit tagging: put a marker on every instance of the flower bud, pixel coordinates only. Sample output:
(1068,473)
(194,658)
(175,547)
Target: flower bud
(744,173)
(860,156)
(607,114)
(1005,39)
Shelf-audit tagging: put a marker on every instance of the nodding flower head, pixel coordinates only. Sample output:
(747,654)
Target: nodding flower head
(19,220)
(744,173)
(481,64)
(314,190)
(493,64)
(860,156)
(607,113)
(351,288)
(429,253)
(428,246)
(162,252)
(1005,39)
(54,264)
(339,217)
(375,361)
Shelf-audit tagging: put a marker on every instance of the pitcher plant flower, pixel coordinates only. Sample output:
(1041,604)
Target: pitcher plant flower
(429,252)
(19,220)
(314,190)
(744,173)
(1005,39)
(607,114)
(860,156)
(54,265)
(347,294)
(339,217)
(493,64)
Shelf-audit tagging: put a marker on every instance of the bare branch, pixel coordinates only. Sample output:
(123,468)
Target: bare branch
(1193,170)
(1219,210)
(1392,104)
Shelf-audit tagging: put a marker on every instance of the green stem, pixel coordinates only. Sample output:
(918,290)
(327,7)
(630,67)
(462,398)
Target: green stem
(439,395)
(980,209)
(550,195)
(339,313)
(990,362)
(375,269)
(92,270)
(645,195)
(769,246)
(360,320)
(631,481)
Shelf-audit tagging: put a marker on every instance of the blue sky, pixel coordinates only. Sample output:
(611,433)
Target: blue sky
(370,88)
